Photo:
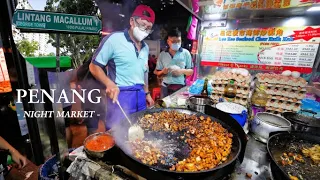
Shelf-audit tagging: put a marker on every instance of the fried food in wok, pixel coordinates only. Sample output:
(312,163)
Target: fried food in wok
(210,143)
(300,162)
(146,152)
(313,153)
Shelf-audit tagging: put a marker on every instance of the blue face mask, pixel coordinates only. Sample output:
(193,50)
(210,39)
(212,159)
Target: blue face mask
(175,46)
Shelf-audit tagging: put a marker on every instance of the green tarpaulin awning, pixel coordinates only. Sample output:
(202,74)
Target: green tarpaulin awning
(49,61)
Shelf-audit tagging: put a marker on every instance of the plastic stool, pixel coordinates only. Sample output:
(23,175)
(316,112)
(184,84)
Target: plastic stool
(156,93)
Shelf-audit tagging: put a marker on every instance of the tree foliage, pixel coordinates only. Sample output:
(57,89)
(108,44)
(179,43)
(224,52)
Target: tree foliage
(28,48)
(50,54)
(78,47)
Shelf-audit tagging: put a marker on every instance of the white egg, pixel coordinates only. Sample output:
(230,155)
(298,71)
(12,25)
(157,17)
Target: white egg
(234,71)
(286,73)
(239,70)
(244,73)
(295,74)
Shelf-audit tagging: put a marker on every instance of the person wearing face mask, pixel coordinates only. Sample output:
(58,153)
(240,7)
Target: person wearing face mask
(173,64)
(125,55)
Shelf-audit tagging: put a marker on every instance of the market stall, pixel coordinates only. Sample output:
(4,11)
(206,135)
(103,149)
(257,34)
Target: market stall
(256,64)
(261,61)
(261,74)
(264,57)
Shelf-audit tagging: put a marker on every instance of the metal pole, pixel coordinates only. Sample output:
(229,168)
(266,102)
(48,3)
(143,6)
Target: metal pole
(58,52)
(20,65)
(59,159)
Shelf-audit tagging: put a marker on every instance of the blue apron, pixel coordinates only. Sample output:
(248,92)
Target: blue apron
(131,98)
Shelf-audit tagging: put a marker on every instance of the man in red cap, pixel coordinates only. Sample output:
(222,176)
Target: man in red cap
(126,57)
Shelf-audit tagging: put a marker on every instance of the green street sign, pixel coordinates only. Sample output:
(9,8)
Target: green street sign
(49,21)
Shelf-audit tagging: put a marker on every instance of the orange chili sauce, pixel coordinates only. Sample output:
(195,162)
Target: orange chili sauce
(100,143)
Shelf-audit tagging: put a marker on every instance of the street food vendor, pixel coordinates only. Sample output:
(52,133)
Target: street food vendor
(126,56)
(173,64)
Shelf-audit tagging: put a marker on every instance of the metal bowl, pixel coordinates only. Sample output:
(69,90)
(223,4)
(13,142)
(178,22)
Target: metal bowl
(200,100)
(96,154)
(198,103)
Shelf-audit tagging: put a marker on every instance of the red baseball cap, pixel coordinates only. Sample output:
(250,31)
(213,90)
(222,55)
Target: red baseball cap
(145,13)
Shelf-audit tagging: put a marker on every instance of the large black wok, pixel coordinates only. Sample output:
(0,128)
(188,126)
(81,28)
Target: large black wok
(181,150)
(302,122)
(285,142)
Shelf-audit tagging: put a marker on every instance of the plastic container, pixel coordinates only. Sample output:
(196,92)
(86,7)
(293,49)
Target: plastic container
(238,112)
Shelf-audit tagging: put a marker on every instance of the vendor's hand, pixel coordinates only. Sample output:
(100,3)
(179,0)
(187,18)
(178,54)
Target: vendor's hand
(150,101)
(178,72)
(165,71)
(19,159)
(113,91)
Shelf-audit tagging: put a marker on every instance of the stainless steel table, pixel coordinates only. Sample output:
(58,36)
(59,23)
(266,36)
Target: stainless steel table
(255,162)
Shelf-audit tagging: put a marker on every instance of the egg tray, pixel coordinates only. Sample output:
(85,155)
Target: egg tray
(236,82)
(241,101)
(240,93)
(225,76)
(280,79)
(281,87)
(285,98)
(243,89)
(276,112)
(285,93)
(284,105)
(281,110)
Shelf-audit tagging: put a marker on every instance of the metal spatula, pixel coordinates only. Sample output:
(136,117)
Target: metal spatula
(135,131)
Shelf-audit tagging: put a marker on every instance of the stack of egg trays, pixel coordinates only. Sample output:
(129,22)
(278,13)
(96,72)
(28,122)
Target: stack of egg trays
(283,97)
(243,90)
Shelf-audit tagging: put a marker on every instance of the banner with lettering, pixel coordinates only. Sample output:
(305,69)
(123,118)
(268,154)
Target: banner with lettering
(275,48)
(227,5)
(265,4)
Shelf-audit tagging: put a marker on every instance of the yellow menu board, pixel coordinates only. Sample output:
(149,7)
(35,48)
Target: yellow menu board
(274,48)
